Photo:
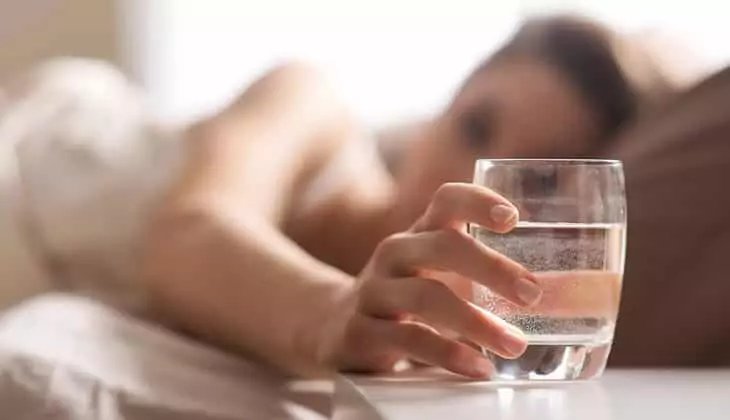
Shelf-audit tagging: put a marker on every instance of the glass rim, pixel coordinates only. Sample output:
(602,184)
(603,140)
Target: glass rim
(550,161)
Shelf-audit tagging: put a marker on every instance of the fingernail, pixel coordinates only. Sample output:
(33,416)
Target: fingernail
(482,367)
(514,341)
(503,214)
(527,291)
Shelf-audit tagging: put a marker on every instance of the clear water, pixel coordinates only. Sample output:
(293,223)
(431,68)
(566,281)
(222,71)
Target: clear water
(570,330)
(565,359)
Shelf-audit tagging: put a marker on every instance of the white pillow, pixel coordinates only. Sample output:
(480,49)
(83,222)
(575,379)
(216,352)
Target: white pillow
(81,165)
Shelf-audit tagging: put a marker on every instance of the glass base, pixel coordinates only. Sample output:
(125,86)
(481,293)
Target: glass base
(546,361)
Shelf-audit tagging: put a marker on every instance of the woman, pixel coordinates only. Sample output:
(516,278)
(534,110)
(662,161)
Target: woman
(286,238)
(280,172)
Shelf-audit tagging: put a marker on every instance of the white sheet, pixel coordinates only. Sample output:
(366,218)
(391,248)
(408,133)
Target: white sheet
(65,357)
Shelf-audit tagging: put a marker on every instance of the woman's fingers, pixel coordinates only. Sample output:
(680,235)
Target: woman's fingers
(418,341)
(454,251)
(454,204)
(437,242)
(366,348)
(436,304)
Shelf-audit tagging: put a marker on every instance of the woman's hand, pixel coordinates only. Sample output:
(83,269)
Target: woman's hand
(402,311)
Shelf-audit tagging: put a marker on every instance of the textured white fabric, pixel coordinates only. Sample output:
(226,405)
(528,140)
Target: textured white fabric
(81,163)
(20,273)
(65,357)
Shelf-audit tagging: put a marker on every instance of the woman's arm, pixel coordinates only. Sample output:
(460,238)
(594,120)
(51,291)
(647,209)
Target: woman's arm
(219,266)
(216,261)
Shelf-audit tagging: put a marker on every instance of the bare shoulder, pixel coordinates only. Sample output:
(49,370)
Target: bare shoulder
(393,142)
(348,198)
(352,197)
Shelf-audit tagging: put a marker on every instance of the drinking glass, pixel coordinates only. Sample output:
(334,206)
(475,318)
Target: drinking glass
(572,236)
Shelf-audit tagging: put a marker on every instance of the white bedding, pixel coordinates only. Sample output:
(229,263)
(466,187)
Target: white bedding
(65,357)
(82,162)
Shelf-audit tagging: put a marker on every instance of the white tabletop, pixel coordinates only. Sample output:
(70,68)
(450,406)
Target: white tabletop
(619,395)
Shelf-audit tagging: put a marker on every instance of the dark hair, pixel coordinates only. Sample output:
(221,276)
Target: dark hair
(589,54)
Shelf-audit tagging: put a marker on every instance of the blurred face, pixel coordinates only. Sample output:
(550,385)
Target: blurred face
(515,108)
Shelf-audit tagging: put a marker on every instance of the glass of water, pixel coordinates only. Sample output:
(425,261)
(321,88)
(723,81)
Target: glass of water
(572,236)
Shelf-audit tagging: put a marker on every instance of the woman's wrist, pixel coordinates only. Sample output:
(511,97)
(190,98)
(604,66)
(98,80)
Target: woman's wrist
(326,314)
(237,282)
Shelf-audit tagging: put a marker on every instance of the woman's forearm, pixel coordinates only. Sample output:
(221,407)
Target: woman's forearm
(216,261)
(240,284)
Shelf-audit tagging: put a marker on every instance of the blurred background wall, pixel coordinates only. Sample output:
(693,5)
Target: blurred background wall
(391,59)
(33,30)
